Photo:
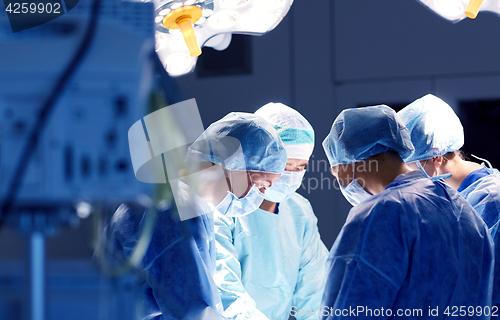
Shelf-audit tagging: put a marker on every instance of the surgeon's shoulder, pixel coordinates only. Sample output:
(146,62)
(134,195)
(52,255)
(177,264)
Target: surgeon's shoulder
(484,190)
(489,183)
(299,205)
(298,199)
(125,221)
(484,196)
(388,205)
(222,221)
(120,214)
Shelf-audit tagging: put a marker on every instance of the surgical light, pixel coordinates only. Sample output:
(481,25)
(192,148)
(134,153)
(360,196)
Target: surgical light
(179,63)
(268,4)
(457,10)
(233,3)
(209,23)
(257,21)
(223,19)
(201,20)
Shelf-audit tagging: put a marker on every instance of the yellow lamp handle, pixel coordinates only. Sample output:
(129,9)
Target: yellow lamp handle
(183,18)
(473,8)
(185,23)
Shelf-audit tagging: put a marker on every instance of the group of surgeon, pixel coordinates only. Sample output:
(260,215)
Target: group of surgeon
(421,233)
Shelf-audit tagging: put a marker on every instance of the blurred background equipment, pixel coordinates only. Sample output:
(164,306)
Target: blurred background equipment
(457,10)
(83,151)
(184,27)
(70,89)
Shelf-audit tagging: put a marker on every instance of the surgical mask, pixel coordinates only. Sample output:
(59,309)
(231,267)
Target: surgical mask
(286,185)
(421,167)
(232,206)
(485,161)
(442,176)
(354,192)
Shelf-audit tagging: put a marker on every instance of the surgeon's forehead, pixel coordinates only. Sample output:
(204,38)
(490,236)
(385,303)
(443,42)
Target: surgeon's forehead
(341,168)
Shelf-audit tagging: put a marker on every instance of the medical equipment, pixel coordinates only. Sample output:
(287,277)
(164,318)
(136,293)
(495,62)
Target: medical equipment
(83,153)
(62,121)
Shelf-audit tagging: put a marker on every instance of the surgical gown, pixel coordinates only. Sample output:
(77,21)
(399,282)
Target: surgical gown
(178,266)
(268,262)
(410,248)
(481,188)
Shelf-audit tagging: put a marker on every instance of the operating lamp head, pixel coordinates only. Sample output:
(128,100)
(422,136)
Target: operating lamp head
(457,10)
(183,27)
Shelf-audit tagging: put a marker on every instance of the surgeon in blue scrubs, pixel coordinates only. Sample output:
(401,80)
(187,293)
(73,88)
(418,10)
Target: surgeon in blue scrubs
(437,134)
(409,242)
(240,156)
(271,262)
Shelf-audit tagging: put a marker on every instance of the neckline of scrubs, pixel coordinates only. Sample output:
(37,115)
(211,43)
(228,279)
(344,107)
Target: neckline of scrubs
(272,214)
(404,178)
(473,177)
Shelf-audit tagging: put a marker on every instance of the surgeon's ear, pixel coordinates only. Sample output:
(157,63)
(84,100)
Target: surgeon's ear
(437,161)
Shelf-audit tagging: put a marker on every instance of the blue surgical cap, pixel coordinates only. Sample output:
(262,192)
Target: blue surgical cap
(240,142)
(359,133)
(434,128)
(294,130)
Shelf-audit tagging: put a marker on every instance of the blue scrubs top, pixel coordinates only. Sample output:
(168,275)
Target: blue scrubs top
(177,268)
(416,245)
(481,188)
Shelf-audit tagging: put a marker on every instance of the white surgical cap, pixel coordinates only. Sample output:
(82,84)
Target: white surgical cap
(359,133)
(434,128)
(295,131)
(240,142)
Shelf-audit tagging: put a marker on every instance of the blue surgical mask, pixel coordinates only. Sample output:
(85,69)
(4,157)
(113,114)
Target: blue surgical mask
(442,176)
(285,187)
(354,192)
(421,168)
(232,206)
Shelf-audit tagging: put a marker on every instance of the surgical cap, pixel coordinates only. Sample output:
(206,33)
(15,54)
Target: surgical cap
(359,133)
(434,128)
(240,142)
(294,130)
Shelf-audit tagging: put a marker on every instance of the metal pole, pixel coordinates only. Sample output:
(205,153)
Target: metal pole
(37,275)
